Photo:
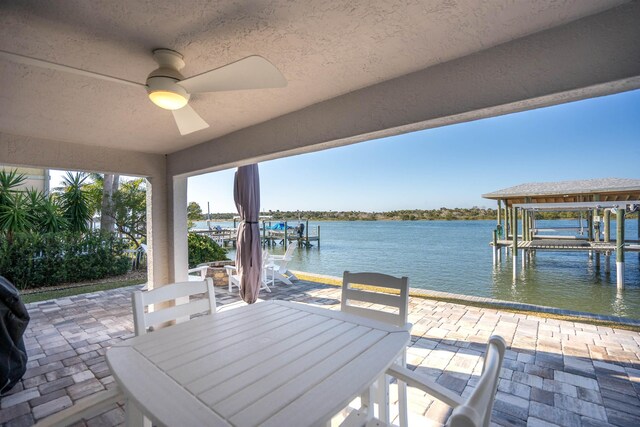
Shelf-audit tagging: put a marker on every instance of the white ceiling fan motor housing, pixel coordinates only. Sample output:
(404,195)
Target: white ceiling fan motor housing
(166,77)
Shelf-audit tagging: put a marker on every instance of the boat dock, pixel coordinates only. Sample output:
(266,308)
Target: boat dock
(597,201)
(269,237)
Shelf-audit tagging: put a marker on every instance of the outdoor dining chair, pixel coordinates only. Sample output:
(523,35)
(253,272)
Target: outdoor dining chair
(474,411)
(180,292)
(279,265)
(234,278)
(98,403)
(371,292)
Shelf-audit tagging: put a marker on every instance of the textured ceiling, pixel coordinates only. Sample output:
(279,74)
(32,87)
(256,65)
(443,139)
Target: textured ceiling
(323,48)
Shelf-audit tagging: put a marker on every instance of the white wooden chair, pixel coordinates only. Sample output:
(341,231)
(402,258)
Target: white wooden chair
(181,293)
(99,402)
(475,411)
(177,291)
(378,291)
(279,265)
(234,278)
(198,273)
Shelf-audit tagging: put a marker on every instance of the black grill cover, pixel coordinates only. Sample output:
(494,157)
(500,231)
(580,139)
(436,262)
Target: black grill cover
(14,319)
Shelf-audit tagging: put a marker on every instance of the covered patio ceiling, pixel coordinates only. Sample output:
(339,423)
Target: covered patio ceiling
(355,71)
(325,49)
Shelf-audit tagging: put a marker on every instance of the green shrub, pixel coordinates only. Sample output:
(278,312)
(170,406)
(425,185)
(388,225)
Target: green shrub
(203,249)
(32,261)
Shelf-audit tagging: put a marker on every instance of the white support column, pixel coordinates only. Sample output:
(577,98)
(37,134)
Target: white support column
(157,240)
(178,230)
(167,254)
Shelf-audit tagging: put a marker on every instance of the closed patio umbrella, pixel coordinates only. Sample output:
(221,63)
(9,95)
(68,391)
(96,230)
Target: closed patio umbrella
(246,194)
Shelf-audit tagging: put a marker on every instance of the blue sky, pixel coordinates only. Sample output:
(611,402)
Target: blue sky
(449,166)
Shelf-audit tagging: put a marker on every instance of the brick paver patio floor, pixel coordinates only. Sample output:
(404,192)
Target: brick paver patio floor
(555,372)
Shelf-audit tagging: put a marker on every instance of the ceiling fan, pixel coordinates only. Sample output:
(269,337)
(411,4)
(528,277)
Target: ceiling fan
(168,89)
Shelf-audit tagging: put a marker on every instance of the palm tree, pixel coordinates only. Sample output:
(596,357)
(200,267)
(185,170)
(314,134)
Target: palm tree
(109,188)
(75,202)
(47,215)
(15,216)
(101,192)
(8,182)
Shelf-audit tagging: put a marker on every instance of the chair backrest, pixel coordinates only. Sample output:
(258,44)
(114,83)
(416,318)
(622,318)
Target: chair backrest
(288,255)
(142,321)
(376,292)
(476,410)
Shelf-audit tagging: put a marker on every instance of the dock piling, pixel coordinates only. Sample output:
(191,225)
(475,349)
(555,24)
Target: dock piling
(285,235)
(620,247)
(514,250)
(495,247)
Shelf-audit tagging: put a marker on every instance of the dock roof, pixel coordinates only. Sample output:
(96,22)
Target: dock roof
(585,187)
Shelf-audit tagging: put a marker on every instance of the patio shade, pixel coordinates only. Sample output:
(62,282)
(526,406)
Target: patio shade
(246,193)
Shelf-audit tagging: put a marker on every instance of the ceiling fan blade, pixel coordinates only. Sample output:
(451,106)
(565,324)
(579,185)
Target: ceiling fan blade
(252,72)
(188,120)
(59,67)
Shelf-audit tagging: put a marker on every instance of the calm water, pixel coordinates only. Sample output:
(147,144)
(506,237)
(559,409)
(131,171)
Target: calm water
(455,256)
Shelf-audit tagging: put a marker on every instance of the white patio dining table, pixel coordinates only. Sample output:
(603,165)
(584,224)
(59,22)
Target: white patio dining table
(275,363)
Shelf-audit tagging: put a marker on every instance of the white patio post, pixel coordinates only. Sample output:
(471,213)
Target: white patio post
(178,245)
(178,230)
(157,240)
(167,231)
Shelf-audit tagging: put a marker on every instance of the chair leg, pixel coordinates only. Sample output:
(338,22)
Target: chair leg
(366,401)
(382,398)
(282,278)
(402,404)
(402,396)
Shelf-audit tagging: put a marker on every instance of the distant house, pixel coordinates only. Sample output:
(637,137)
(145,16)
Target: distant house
(36,178)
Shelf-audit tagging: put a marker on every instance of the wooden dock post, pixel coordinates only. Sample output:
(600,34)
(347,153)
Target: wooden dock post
(607,225)
(509,222)
(499,212)
(318,237)
(495,246)
(524,252)
(285,234)
(620,247)
(264,233)
(607,262)
(306,230)
(514,248)
(499,216)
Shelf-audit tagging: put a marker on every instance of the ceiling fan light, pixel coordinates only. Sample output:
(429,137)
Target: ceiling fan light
(168,100)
